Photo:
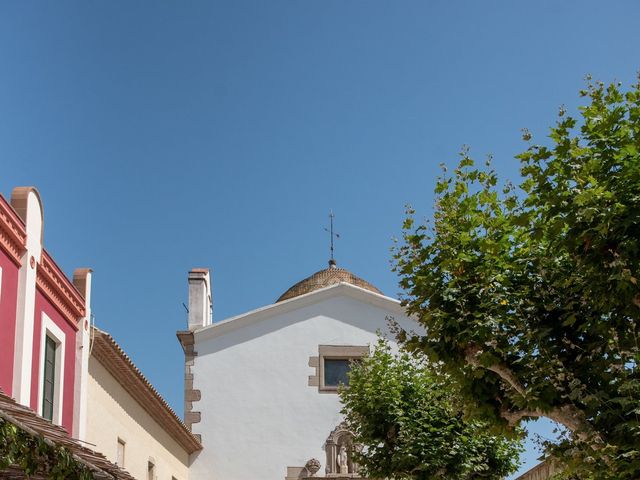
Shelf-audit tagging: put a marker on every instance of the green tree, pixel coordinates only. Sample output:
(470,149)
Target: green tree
(530,294)
(407,419)
(31,455)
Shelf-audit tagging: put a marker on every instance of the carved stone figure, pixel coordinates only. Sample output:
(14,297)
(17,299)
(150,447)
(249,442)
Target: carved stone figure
(339,446)
(343,460)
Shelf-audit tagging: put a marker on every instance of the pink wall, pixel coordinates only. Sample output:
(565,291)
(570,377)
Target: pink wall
(44,306)
(8,303)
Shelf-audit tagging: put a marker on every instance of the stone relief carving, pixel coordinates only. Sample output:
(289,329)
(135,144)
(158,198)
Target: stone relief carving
(339,448)
(340,464)
(312,466)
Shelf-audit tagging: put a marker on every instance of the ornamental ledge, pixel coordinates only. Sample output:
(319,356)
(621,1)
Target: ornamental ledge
(59,290)
(13,236)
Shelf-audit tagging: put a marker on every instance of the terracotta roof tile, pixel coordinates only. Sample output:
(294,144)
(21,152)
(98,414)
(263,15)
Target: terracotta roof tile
(325,278)
(27,420)
(117,362)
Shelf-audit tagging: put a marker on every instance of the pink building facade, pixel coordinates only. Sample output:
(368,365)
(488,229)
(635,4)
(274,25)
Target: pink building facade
(44,327)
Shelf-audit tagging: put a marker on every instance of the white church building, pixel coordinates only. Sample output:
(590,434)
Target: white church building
(261,387)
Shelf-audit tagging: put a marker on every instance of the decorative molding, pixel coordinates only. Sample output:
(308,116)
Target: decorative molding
(339,443)
(119,365)
(59,290)
(13,234)
(340,465)
(312,466)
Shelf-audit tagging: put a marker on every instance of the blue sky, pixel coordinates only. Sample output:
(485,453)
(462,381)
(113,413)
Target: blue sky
(170,135)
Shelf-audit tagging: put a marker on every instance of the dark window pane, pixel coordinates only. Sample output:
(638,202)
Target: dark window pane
(49,378)
(335,372)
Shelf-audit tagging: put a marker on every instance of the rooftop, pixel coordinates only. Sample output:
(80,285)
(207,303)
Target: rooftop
(34,425)
(325,278)
(117,362)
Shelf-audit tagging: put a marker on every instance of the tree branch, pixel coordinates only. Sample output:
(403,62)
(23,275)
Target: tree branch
(568,415)
(473,352)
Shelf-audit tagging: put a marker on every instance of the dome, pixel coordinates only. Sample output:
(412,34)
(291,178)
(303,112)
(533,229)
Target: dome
(325,278)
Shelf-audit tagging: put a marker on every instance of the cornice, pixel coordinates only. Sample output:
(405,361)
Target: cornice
(13,235)
(59,290)
(305,300)
(119,365)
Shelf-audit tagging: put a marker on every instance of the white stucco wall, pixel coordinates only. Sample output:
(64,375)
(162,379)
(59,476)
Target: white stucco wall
(259,415)
(113,413)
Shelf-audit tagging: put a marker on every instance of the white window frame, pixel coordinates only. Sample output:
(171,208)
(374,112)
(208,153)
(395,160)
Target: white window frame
(49,328)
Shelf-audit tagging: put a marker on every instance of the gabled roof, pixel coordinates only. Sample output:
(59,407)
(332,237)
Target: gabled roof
(301,301)
(119,365)
(27,420)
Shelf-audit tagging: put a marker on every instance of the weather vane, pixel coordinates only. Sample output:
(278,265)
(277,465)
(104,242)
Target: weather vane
(332,262)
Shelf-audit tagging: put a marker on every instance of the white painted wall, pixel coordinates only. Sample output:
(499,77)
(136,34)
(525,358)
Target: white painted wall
(259,415)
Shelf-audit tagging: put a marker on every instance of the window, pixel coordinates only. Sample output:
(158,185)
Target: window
(120,453)
(336,372)
(151,471)
(333,364)
(51,374)
(49,385)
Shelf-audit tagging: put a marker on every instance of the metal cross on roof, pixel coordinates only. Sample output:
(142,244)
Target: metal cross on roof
(332,262)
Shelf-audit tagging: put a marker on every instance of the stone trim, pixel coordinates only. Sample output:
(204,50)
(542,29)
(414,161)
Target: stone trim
(191,395)
(106,351)
(334,352)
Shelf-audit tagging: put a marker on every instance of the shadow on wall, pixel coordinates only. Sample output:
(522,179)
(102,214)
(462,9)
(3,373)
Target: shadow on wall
(133,409)
(259,324)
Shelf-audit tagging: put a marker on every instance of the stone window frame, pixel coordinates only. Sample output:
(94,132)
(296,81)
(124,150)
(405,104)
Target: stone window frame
(333,352)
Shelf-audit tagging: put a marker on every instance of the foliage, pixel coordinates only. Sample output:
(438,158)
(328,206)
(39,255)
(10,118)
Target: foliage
(530,295)
(406,417)
(35,456)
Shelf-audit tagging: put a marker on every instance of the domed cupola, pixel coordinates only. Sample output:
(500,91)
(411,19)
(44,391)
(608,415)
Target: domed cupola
(325,278)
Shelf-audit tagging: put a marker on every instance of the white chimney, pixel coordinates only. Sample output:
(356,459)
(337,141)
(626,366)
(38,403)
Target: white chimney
(200,301)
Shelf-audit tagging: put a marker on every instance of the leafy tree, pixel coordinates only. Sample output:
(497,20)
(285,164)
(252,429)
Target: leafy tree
(406,418)
(34,456)
(530,295)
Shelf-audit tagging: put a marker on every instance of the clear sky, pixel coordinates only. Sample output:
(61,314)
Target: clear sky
(170,135)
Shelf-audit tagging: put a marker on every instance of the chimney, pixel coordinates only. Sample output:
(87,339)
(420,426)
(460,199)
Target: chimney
(200,302)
